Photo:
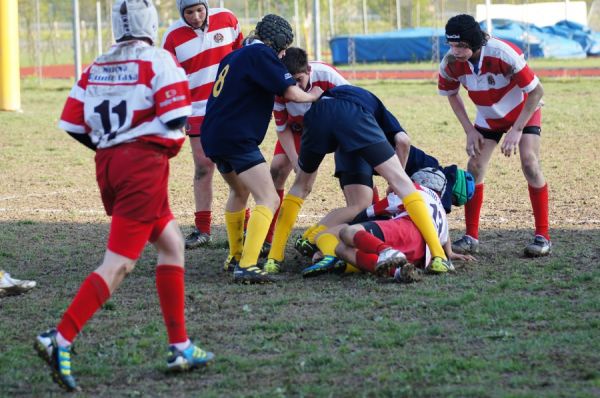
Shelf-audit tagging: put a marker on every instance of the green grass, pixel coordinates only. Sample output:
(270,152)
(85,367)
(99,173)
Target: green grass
(504,326)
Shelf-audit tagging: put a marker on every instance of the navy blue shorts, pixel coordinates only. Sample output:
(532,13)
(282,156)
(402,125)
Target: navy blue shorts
(238,163)
(331,124)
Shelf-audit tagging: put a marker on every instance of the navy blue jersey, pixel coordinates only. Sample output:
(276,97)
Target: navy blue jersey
(388,122)
(240,105)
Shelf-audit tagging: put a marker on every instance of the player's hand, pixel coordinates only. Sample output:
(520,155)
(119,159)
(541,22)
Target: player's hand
(510,145)
(474,142)
(461,257)
(316,91)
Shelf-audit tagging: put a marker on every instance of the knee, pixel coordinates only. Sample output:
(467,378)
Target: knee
(277,174)
(402,141)
(347,234)
(124,268)
(203,167)
(530,166)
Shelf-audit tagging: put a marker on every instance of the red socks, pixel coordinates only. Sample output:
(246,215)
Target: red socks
(539,204)
(472,212)
(269,237)
(92,294)
(171,294)
(368,243)
(203,220)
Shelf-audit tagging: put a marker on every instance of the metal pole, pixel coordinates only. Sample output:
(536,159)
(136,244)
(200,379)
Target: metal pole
(99,27)
(364,13)
(297,24)
(331,27)
(76,39)
(317,27)
(488,16)
(38,41)
(398,14)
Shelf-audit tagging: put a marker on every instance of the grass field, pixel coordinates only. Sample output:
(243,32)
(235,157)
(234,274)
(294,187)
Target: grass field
(504,326)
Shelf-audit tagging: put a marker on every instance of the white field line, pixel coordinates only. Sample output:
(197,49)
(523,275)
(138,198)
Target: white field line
(41,195)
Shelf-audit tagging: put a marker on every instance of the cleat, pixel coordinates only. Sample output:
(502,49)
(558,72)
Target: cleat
(252,274)
(230,264)
(304,247)
(191,358)
(339,267)
(466,245)
(11,286)
(197,239)
(264,250)
(407,274)
(327,264)
(539,247)
(389,258)
(58,358)
(272,266)
(439,265)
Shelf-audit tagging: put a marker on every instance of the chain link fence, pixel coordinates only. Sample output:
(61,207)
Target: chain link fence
(46,26)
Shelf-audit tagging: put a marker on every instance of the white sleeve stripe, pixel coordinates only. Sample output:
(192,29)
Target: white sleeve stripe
(447,93)
(175,113)
(71,128)
(529,88)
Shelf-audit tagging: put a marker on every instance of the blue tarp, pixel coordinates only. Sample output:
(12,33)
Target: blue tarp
(564,40)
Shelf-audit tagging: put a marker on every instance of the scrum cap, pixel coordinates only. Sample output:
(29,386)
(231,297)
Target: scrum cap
(183,4)
(275,32)
(431,178)
(135,18)
(465,28)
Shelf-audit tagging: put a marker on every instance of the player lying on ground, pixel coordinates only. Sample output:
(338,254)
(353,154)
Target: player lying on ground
(129,106)
(507,95)
(354,120)
(236,121)
(388,246)
(460,191)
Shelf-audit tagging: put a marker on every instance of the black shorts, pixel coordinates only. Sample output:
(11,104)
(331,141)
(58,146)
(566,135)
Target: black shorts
(331,124)
(238,163)
(497,135)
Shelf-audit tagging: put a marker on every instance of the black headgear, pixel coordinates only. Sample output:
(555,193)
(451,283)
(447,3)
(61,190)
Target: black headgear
(275,32)
(465,28)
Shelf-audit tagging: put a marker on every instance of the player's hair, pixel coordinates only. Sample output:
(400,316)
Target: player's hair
(295,60)
(134,19)
(275,32)
(464,28)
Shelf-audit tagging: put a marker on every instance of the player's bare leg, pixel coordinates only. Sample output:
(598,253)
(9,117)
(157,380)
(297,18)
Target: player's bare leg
(529,150)
(477,165)
(358,197)
(170,286)
(257,180)
(204,170)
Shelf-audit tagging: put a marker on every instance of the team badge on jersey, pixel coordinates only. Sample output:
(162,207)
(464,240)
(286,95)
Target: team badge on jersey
(491,80)
(218,38)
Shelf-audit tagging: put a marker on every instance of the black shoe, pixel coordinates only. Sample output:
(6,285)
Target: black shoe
(197,239)
(252,274)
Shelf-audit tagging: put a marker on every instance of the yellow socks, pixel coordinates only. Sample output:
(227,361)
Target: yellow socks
(312,232)
(288,213)
(417,210)
(327,243)
(234,224)
(256,232)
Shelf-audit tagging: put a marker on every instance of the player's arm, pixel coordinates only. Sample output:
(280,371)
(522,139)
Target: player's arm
(513,136)
(296,94)
(84,139)
(286,138)
(402,147)
(474,138)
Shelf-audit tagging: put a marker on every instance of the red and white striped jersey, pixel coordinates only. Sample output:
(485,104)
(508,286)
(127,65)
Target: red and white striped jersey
(500,87)
(199,51)
(128,94)
(292,113)
(392,205)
